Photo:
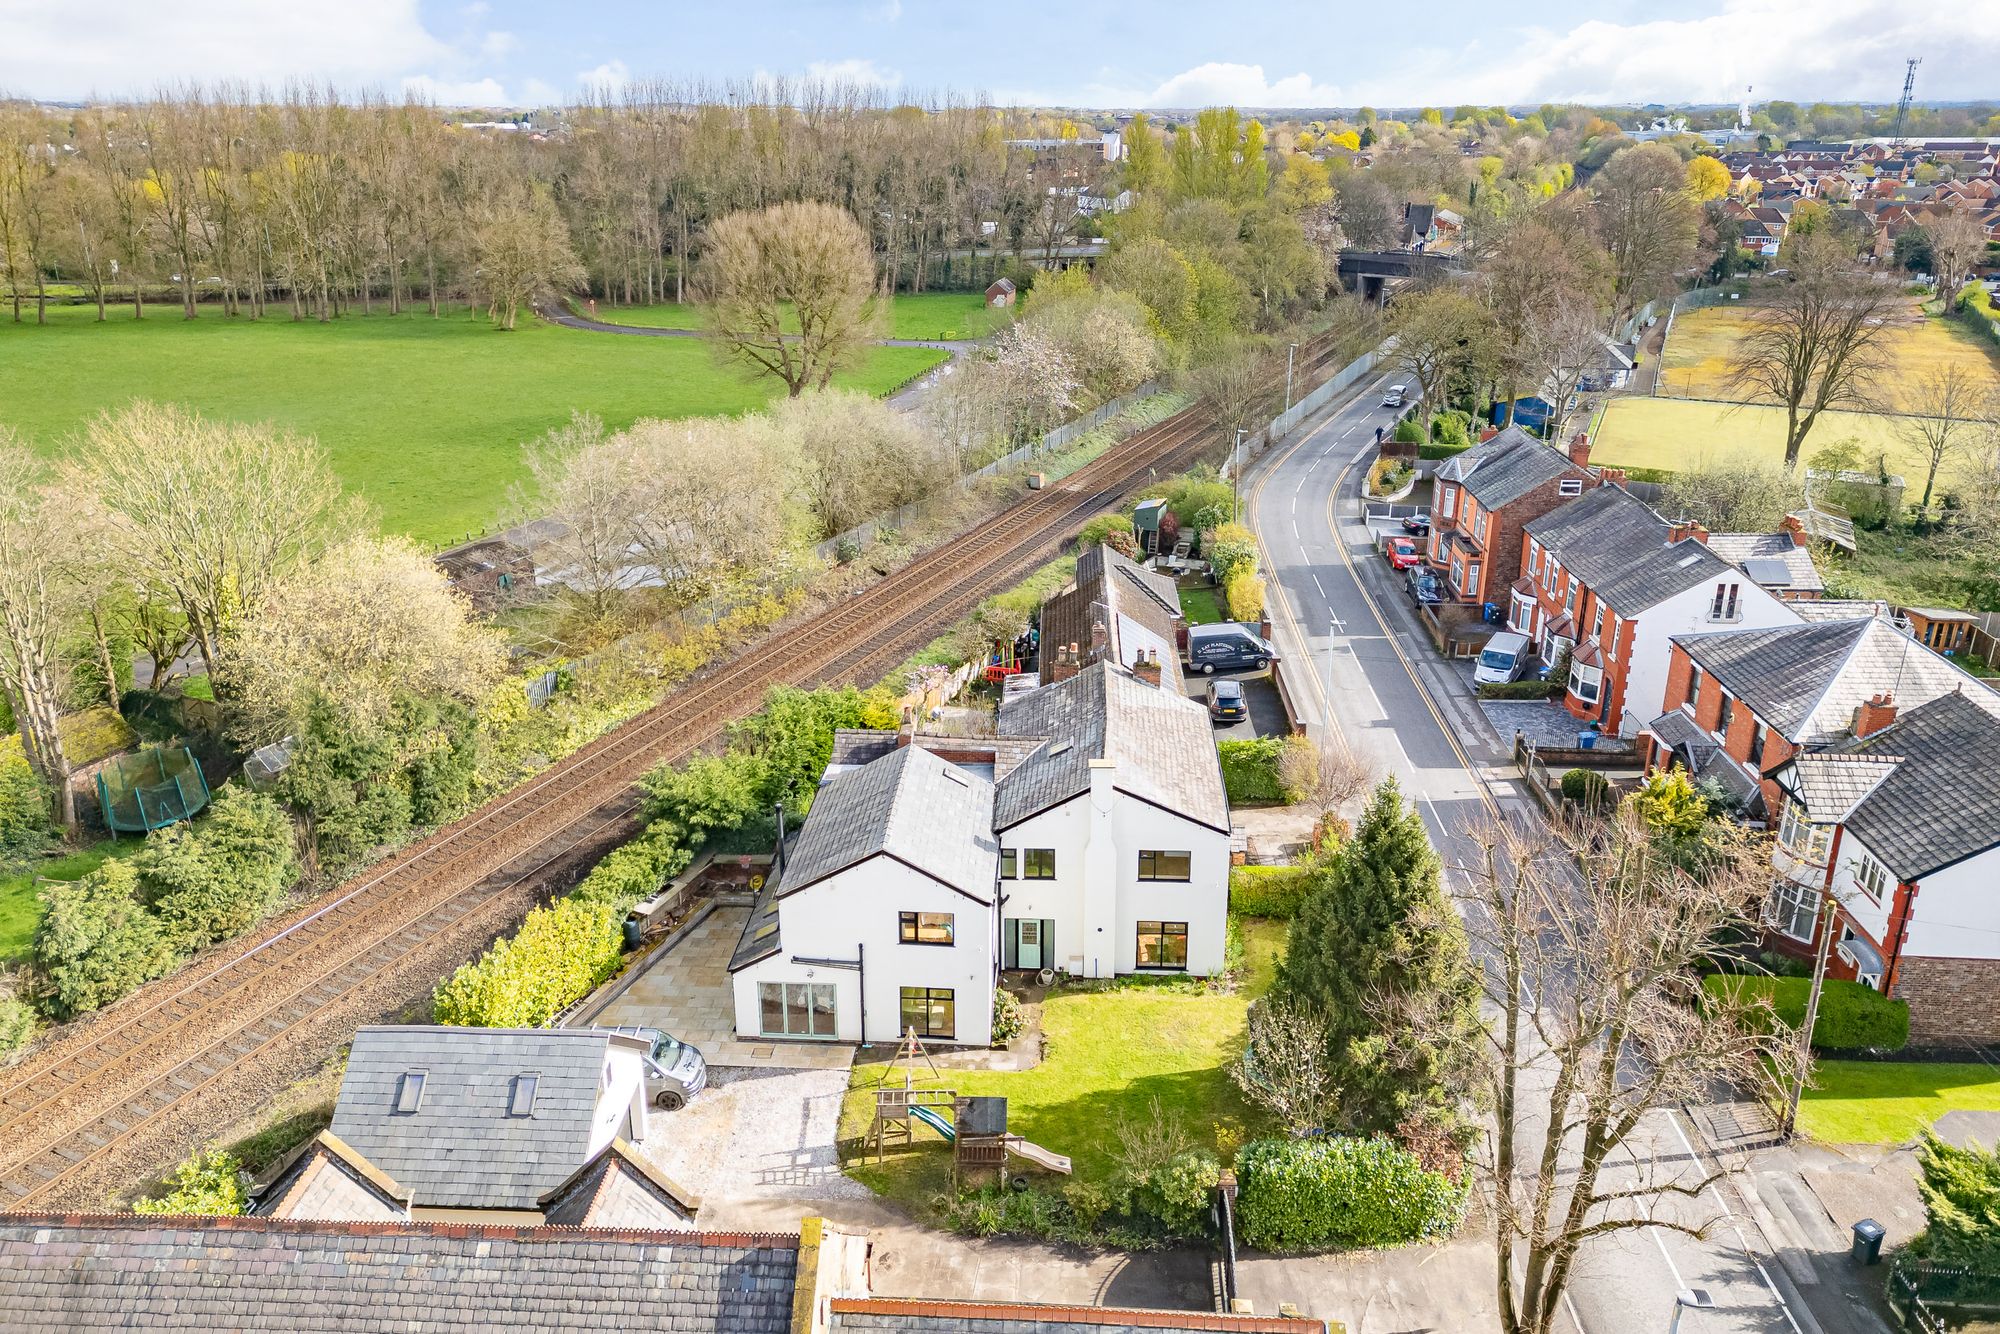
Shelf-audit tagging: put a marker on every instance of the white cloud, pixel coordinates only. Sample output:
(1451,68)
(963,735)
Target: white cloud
(886,12)
(498,45)
(125,46)
(611,74)
(1218,83)
(862,72)
(487,92)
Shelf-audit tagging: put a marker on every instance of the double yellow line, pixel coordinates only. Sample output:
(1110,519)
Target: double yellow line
(1374,609)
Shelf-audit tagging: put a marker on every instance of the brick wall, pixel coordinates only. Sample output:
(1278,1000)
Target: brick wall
(1951,1000)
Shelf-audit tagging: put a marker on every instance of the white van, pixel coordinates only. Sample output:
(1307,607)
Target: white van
(1393,396)
(1504,659)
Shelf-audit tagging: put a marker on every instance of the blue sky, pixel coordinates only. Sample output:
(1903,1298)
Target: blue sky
(1160,53)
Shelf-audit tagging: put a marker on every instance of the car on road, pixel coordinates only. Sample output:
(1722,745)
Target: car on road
(1402,553)
(1424,586)
(675,1071)
(1393,396)
(1418,525)
(1227,647)
(1226,703)
(1505,658)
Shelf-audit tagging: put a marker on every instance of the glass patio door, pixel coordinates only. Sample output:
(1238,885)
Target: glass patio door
(797,1010)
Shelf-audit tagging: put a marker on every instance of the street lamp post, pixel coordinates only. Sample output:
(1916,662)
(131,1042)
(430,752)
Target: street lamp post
(1288,375)
(1689,1299)
(1236,467)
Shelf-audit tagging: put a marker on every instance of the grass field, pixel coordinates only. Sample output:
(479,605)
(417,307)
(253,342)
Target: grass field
(1671,434)
(1111,1054)
(940,315)
(21,909)
(1697,355)
(423,417)
(1877,1102)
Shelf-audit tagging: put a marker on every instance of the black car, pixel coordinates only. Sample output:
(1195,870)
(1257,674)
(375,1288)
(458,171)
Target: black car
(1418,525)
(1424,586)
(1225,702)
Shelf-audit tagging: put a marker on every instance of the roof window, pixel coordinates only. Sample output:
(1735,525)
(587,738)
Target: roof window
(410,1091)
(521,1099)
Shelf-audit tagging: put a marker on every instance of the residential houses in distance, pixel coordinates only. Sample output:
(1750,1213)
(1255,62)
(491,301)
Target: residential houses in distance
(1888,187)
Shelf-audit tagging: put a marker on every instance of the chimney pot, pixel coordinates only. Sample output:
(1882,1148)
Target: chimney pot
(1876,714)
(1579,449)
(1796,526)
(1146,667)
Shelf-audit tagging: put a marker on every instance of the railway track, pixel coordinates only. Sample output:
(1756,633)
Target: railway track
(131,1086)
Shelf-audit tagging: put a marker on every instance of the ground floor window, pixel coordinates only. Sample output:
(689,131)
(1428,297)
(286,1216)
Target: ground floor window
(1792,908)
(1162,944)
(931,1011)
(796,1010)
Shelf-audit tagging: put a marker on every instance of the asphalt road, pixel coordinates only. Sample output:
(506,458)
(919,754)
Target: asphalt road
(1337,607)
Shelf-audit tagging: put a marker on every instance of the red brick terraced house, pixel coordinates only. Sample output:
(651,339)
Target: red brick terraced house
(1739,703)
(1899,827)
(1611,582)
(1483,497)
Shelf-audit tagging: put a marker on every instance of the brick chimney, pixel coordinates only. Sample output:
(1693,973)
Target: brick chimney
(1796,526)
(1100,638)
(1873,716)
(1146,666)
(1682,529)
(1063,667)
(1487,433)
(1579,449)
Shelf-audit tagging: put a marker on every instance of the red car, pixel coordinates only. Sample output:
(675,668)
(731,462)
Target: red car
(1403,553)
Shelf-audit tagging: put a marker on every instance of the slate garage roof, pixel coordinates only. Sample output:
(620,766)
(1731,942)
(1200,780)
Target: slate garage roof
(460,1148)
(67,1275)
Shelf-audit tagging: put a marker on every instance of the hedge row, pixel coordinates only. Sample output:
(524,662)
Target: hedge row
(1267,891)
(1300,1195)
(1250,770)
(1851,1016)
(1548,689)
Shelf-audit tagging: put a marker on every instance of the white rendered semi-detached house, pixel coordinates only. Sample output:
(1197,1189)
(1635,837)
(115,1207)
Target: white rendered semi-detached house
(1090,836)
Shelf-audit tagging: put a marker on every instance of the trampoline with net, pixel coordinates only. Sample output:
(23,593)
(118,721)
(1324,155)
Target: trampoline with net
(156,787)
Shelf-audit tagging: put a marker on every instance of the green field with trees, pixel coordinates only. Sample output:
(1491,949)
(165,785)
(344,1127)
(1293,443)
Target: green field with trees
(424,418)
(930,315)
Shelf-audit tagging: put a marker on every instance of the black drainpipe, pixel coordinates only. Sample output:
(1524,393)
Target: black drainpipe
(778,856)
(861,971)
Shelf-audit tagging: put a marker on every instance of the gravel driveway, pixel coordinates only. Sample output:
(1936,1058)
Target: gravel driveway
(754,1137)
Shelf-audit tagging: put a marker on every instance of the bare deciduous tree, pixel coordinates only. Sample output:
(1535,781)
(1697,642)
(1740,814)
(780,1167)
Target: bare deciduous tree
(1958,242)
(789,288)
(852,457)
(523,252)
(1284,1068)
(1563,342)
(1731,494)
(36,610)
(1818,344)
(1948,405)
(1591,939)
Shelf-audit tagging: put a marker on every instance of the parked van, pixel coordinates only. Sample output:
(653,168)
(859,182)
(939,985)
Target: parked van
(1393,396)
(1228,647)
(1504,659)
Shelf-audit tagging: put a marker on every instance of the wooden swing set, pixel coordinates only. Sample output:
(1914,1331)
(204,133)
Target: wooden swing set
(976,1128)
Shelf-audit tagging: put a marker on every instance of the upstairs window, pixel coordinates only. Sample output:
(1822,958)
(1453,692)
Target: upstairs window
(1872,877)
(1694,686)
(1534,557)
(1801,837)
(1008,863)
(925,928)
(1479,527)
(1038,863)
(1448,503)
(1723,717)
(1722,607)
(1166,866)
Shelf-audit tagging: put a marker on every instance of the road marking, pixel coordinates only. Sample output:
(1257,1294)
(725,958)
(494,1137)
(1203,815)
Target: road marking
(1736,1226)
(1322,592)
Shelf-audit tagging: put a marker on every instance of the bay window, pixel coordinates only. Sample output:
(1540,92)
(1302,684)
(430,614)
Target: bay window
(1585,682)
(1791,909)
(1804,840)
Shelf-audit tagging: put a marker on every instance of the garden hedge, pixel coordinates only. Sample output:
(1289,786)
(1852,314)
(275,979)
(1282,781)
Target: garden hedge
(1250,771)
(1298,1195)
(1267,891)
(1851,1016)
(1548,689)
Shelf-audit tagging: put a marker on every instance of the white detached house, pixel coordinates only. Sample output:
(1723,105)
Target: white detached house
(1091,836)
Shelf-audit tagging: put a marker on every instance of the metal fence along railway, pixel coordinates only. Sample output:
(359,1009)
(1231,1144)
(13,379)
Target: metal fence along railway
(128,1089)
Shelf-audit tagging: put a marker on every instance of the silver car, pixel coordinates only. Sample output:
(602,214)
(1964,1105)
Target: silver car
(675,1071)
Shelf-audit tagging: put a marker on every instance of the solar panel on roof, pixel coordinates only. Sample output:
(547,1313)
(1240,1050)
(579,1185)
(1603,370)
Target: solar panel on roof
(1764,570)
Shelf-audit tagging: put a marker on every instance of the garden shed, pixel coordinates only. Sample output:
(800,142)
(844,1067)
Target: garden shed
(156,787)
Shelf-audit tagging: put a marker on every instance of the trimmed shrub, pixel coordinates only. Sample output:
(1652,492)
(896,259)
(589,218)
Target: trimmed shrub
(1250,770)
(1301,1195)
(636,870)
(96,941)
(1008,1016)
(208,1182)
(1101,529)
(1245,595)
(24,804)
(1407,432)
(1177,1192)
(557,958)
(1587,788)
(1229,547)
(1851,1016)
(1267,891)
(1548,689)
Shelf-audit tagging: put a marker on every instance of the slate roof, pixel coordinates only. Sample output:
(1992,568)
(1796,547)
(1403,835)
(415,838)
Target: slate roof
(66,1275)
(1941,803)
(1807,680)
(1501,470)
(1160,740)
(1832,783)
(1736,548)
(460,1148)
(1139,607)
(1617,546)
(911,805)
(898,1315)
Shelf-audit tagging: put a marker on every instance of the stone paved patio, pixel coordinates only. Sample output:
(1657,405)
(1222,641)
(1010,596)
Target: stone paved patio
(685,990)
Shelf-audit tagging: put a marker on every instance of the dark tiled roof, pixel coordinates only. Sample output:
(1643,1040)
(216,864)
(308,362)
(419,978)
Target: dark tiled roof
(1503,469)
(911,805)
(1942,803)
(760,938)
(1807,680)
(1160,740)
(68,1275)
(460,1148)
(1617,545)
(1140,610)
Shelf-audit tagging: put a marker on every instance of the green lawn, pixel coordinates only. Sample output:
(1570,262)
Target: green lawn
(1670,433)
(941,315)
(424,417)
(1887,1102)
(20,909)
(1110,1055)
(1202,605)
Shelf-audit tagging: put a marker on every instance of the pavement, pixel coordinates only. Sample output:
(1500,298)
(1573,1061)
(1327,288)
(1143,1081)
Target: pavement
(1338,609)
(683,988)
